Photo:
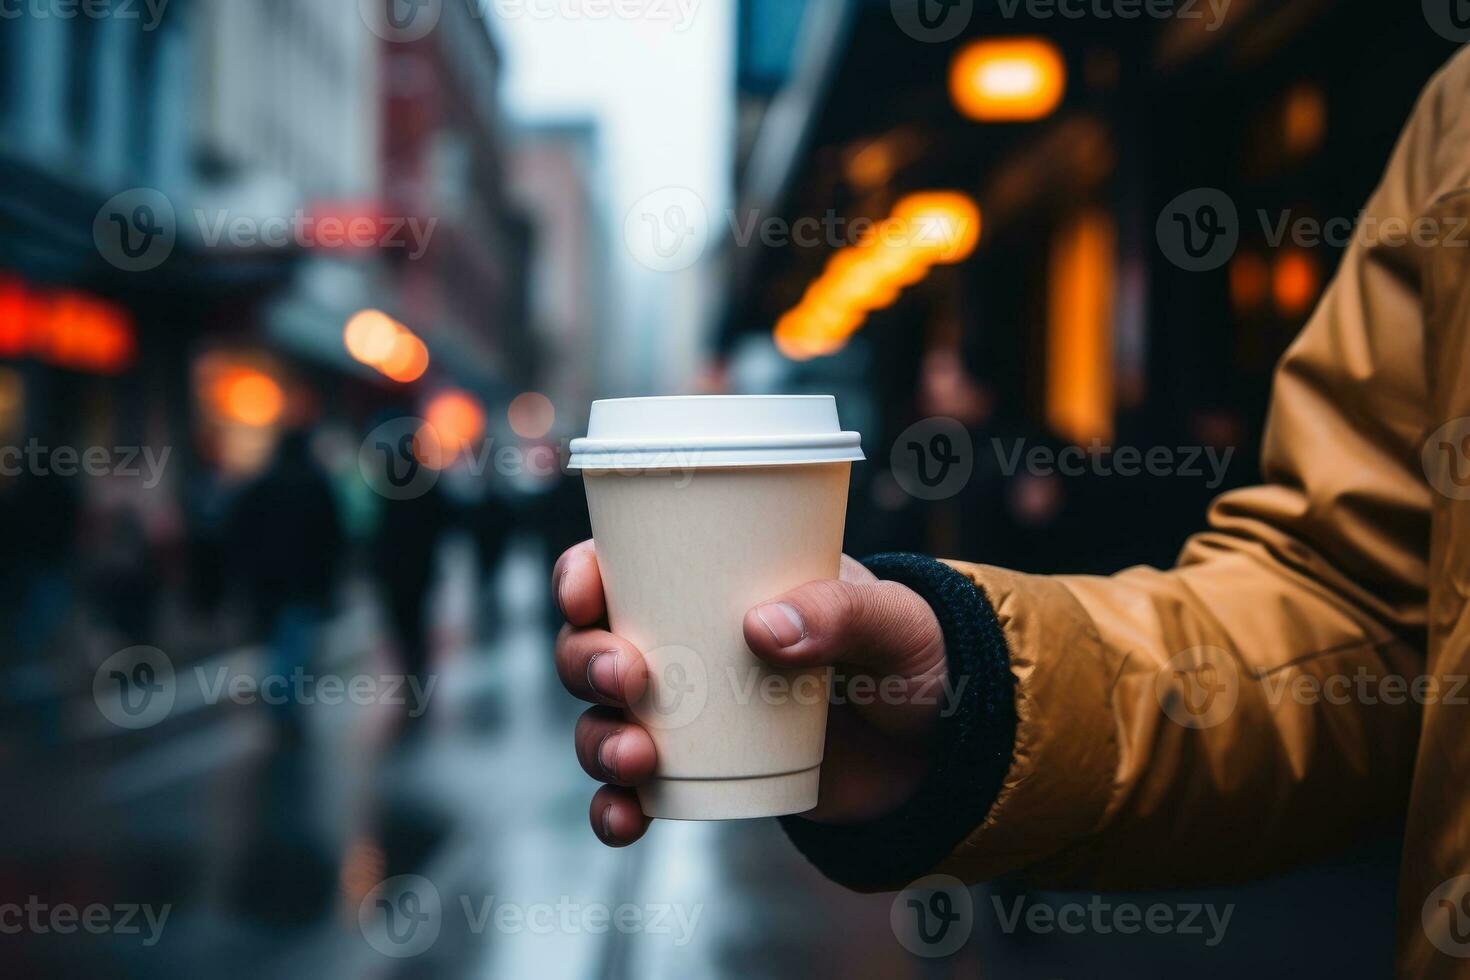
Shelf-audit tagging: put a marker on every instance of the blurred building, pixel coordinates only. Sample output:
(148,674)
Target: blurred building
(444,161)
(554,179)
(230,183)
(1071,321)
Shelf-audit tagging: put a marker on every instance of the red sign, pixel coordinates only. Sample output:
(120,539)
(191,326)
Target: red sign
(64,327)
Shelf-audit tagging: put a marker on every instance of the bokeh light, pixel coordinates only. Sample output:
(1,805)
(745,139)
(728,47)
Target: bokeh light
(1295,283)
(531,415)
(925,229)
(1015,80)
(374,338)
(1250,282)
(457,417)
(252,398)
(370,334)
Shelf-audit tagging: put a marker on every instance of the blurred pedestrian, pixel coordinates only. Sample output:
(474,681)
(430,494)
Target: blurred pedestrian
(285,541)
(405,557)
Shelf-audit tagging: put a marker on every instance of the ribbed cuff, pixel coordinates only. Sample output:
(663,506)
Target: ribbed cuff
(973,746)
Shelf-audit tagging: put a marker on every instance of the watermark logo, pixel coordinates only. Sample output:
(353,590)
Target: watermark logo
(1450,19)
(401,21)
(677,690)
(668,229)
(933,917)
(1199,687)
(135,688)
(136,231)
(1199,230)
(933,458)
(1446,458)
(1446,917)
(402,458)
(932,21)
(402,916)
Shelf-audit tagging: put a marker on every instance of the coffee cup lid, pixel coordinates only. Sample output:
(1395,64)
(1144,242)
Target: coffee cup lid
(687,431)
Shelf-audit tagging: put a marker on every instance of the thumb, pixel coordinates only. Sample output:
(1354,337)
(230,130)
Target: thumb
(884,627)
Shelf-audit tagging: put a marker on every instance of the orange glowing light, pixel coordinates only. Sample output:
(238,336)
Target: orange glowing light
(872,166)
(1295,283)
(797,338)
(1304,119)
(1080,380)
(943,225)
(1250,281)
(369,336)
(376,339)
(925,230)
(252,398)
(1016,80)
(407,360)
(457,417)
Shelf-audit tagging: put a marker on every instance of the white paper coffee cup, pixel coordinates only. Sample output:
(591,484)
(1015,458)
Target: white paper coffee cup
(701,508)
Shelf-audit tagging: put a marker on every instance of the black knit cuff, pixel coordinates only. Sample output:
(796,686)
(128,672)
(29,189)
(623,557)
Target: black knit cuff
(976,737)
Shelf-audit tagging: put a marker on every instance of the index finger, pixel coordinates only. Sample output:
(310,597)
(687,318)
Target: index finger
(576,582)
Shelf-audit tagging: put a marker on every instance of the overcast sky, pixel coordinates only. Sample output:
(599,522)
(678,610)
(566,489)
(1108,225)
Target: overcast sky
(661,88)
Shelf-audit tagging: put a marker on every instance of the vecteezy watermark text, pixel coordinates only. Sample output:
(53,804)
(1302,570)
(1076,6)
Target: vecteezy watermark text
(1212,12)
(124,919)
(1201,229)
(403,916)
(137,688)
(149,12)
(1097,459)
(406,21)
(1103,917)
(138,230)
(669,229)
(303,688)
(1366,688)
(40,460)
(304,230)
(403,458)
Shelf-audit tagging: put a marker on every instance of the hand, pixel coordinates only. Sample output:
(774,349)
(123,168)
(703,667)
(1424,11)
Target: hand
(878,739)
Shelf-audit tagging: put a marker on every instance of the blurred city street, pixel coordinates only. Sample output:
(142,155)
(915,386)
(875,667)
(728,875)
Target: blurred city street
(264,850)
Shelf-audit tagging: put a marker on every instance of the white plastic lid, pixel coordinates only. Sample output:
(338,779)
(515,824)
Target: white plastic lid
(685,431)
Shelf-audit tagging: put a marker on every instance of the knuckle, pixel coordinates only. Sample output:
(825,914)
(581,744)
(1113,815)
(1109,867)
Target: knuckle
(836,604)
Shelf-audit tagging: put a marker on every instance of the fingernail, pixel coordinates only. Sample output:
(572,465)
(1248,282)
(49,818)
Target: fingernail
(561,587)
(607,834)
(602,674)
(784,623)
(607,754)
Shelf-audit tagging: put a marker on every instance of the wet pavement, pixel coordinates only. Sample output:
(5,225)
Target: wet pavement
(223,842)
(259,845)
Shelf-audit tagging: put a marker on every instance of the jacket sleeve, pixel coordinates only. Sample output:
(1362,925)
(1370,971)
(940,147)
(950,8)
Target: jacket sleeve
(1232,716)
